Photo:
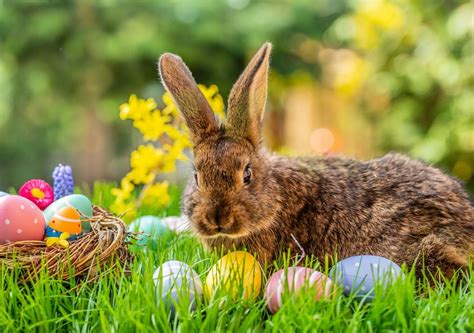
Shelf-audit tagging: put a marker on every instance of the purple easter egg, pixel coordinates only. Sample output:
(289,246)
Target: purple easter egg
(360,275)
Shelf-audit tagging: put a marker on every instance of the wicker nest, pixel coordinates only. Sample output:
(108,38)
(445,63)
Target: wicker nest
(104,247)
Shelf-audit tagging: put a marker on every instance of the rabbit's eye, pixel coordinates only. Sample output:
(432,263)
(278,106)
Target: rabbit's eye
(247,175)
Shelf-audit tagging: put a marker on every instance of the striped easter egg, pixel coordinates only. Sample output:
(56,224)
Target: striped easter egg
(78,201)
(67,219)
(292,281)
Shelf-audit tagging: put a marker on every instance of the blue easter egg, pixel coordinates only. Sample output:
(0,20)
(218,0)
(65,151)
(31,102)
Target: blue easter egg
(360,275)
(2,194)
(151,228)
(176,282)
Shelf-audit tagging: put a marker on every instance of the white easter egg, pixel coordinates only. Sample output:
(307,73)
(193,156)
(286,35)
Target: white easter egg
(176,282)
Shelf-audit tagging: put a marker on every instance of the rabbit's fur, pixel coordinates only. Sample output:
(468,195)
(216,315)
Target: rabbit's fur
(393,206)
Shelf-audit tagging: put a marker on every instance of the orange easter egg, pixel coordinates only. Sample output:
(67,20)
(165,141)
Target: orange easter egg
(67,219)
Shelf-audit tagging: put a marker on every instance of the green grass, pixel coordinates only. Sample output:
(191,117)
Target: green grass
(117,302)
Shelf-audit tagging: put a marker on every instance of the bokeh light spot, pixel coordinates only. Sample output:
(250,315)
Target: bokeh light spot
(322,140)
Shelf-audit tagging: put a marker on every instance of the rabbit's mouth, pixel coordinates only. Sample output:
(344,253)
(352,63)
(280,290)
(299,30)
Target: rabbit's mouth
(223,235)
(213,230)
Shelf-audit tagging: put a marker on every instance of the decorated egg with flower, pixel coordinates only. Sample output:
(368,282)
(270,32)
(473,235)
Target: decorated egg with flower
(37,191)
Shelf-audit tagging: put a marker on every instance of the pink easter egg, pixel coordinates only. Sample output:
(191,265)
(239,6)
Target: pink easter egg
(293,280)
(20,219)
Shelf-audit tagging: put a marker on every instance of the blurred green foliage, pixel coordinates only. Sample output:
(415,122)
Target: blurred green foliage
(420,87)
(66,66)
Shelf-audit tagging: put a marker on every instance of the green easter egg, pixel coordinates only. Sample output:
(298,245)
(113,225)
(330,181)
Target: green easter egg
(77,201)
(152,228)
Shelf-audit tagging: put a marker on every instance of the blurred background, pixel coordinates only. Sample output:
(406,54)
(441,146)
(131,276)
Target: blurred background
(358,78)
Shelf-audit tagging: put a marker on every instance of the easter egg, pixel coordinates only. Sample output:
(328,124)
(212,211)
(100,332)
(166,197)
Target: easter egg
(177,224)
(176,282)
(66,219)
(2,194)
(237,273)
(294,280)
(360,275)
(150,227)
(20,219)
(78,201)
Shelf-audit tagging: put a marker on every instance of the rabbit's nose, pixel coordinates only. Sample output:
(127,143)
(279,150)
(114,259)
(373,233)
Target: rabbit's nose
(221,218)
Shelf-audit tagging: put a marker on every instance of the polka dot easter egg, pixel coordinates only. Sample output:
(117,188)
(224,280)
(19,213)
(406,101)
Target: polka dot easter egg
(176,283)
(78,201)
(237,273)
(294,280)
(20,220)
(67,219)
(360,275)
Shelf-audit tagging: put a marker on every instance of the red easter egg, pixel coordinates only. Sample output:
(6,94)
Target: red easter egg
(293,280)
(20,219)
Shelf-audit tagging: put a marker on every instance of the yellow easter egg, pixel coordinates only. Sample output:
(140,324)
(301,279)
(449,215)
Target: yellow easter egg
(237,273)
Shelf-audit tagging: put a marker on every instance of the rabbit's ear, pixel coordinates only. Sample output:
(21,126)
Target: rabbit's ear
(247,99)
(194,107)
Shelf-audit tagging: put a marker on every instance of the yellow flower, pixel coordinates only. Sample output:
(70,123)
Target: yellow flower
(170,107)
(125,191)
(146,157)
(152,125)
(212,95)
(136,108)
(156,195)
(214,98)
(128,208)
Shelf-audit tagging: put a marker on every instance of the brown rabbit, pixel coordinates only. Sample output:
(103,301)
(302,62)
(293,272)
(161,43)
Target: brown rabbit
(242,196)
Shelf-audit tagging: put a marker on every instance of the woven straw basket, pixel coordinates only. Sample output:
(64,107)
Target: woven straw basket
(104,247)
